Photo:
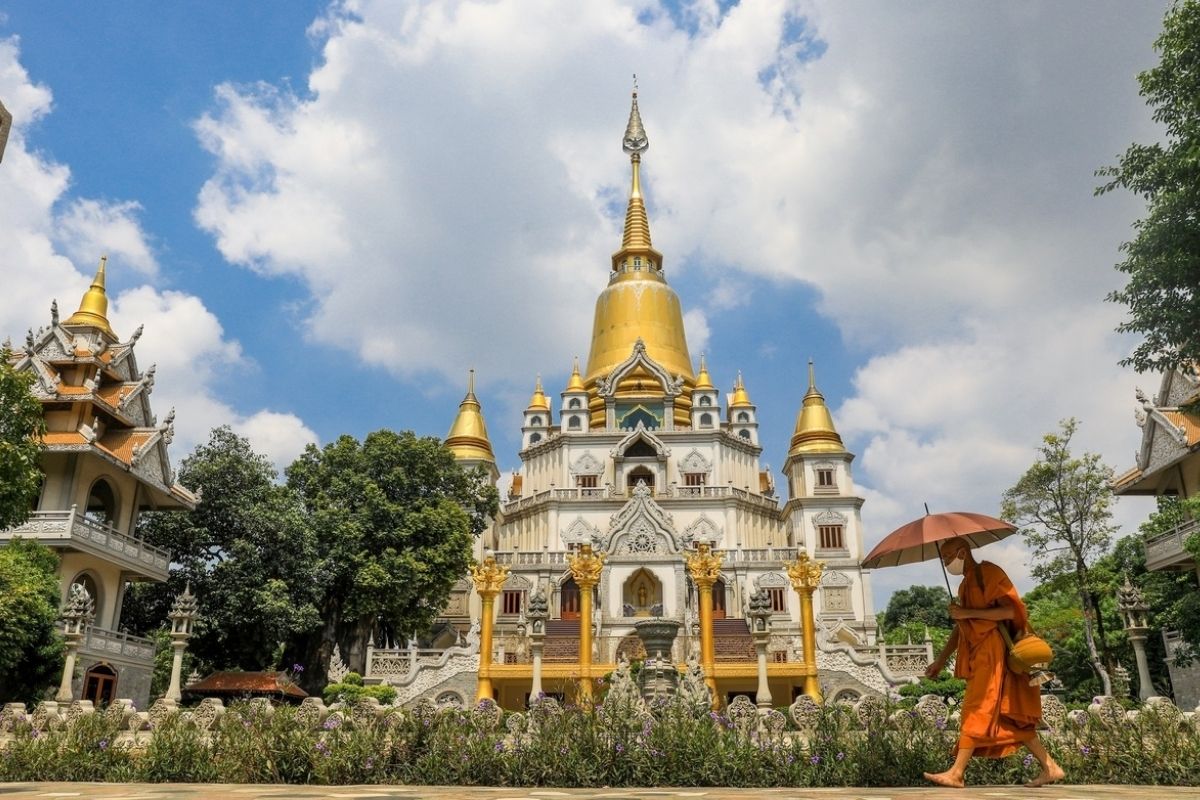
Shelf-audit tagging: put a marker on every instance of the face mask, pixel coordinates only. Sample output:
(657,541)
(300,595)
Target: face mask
(955,567)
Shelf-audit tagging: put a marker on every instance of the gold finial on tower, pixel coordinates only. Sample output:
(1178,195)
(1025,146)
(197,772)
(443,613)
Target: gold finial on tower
(703,379)
(814,431)
(538,402)
(468,436)
(576,384)
(741,398)
(93,308)
(635,242)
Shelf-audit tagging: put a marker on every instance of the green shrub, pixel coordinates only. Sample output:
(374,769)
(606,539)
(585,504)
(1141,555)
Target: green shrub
(351,688)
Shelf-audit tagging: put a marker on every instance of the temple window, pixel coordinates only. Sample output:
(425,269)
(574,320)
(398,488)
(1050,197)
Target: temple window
(745,434)
(586,481)
(510,601)
(535,421)
(706,420)
(534,438)
(640,449)
(779,656)
(778,599)
(575,403)
(830,537)
(102,503)
(825,479)
(743,416)
(695,478)
(836,600)
(574,424)
(706,401)
(639,474)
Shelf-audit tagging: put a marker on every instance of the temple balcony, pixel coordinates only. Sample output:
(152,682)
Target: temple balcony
(1167,550)
(105,645)
(71,530)
(668,493)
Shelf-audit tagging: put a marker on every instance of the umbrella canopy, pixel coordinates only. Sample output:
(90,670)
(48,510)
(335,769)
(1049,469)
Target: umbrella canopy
(919,540)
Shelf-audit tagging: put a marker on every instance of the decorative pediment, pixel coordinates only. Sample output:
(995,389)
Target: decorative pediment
(770,579)
(641,434)
(580,532)
(516,581)
(695,462)
(702,530)
(829,517)
(835,578)
(587,464)
(672,387)
(641,526)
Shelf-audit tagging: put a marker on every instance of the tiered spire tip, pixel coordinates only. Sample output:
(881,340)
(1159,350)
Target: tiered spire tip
(815,432)
(468,436)
(93,308)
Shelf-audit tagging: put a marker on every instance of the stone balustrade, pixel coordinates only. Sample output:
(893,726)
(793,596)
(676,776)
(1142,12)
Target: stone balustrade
(71,529)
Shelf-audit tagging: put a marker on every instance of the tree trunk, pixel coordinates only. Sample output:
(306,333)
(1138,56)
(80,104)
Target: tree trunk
(354,644)
(1093,655)
(313,651)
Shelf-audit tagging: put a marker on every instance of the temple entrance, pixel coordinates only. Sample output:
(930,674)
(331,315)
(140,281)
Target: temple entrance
(642,595)
(640,474)
(568,599)
(719,599)
(100,685)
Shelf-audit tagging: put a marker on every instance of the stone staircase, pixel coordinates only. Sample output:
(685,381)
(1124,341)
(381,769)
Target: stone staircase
(561,645)
(732,640)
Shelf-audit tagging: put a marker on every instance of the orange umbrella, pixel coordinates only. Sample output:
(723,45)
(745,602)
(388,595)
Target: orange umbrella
(921,539)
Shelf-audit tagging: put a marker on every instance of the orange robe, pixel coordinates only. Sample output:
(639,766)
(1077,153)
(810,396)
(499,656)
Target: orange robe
(1000,710)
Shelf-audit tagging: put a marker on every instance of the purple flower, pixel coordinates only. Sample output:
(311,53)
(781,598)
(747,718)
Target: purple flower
(620,748)
(331,723)
(941,724)
(815,760)
(499,747)
(103,744)
(1085,750)
(370,763)
(297,668)
(840,756)
(1028,759)
(791,759)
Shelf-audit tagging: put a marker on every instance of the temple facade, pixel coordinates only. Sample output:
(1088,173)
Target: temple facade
(642,461)
(104,462)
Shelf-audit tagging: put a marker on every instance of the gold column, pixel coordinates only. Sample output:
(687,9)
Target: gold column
(488,577)
(585,569)
(806,576)
(705,568)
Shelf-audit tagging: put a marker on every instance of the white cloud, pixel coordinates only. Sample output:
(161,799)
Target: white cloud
(181,335)
(449,190)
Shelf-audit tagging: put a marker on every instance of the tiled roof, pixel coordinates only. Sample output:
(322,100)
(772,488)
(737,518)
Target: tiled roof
(246,683)
(63,437)
(114,393)
(1189,422)
(121,443)
(1127,478)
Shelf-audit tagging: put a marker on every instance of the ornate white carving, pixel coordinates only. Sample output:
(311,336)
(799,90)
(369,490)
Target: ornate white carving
(770,579)
(587,464)
(671,387)
(641,515)
(829,517)
(695,462)
(640,433)
(835,578)
(580,532)
(517,581)
(702,530)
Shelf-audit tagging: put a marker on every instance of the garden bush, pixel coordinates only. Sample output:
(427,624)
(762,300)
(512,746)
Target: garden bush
(351,689)
(666,745)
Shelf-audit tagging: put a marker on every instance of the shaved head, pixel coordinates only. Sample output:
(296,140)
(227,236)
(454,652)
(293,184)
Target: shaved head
(953,548)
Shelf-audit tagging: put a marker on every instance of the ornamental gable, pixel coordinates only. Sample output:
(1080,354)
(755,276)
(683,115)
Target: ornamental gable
(641,526)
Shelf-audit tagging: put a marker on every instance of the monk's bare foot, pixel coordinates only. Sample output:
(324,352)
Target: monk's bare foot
(1048,775)
(947,779)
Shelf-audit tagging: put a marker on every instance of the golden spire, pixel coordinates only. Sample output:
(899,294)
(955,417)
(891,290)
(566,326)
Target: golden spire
(704,380)
(575,384)
(93,308)
(814,424)
(468,437)
(636,239)
(741,398)
(538,402)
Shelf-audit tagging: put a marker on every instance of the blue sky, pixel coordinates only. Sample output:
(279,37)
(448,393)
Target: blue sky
(325,216)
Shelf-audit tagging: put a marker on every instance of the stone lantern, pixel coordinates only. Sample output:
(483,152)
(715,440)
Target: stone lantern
(183,616)
(759,611)
(536,615)
(1133,608)
(77,616)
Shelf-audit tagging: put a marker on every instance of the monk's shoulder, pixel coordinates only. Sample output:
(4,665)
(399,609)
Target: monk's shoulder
(993,572)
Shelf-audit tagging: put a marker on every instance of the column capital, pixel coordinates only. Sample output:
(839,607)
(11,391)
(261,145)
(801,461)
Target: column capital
(586,566)
(805,573)
(488,576)
(704,565)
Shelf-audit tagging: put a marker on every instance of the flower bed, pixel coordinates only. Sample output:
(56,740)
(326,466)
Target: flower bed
(620,743)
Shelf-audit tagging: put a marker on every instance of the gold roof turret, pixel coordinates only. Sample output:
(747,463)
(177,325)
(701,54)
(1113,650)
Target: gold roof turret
(575,384)
(814,424)
(638,303)
(741,398)
(468,436)
(538,402)
(704,380)
(93,308)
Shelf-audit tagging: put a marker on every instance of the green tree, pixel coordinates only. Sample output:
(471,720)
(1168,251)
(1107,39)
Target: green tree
(394,516)
(1163,259)
(31,651)
(1063,506)
(245,550)
(21,429)
(928,605)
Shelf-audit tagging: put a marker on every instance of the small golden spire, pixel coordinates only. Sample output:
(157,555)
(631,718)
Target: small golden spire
(93,308)
(636,239)
(703,379)
(538,402)
(814,431)
(741,398)
(575,384)
(468,436)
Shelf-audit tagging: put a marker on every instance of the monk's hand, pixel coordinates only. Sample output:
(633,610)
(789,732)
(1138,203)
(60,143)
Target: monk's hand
(957,612)
(934,669)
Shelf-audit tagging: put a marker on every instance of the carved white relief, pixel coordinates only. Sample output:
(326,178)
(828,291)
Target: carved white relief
(770,579)
(517,581)
(702,530)
(829,517)
(672,387)
(695,462)
(835,578)
(580,532)
(640,517)
(640,433)
(587,464)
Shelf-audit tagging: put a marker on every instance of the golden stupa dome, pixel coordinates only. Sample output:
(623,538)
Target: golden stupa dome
(468,436)
(538,402)
(741,398)
(703,379)
(814,431)
(575,383)
(93,308)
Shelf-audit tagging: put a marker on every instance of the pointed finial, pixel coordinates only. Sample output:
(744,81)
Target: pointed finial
(93,308)
(575,384)
(635,142)
(538,401)
(740,396)
(54,312)
(471,381)
(703,379)
(812,376)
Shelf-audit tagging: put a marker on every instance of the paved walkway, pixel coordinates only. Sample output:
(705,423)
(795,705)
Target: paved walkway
(177,791)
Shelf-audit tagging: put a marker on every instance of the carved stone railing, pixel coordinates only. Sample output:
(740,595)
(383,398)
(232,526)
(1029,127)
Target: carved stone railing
(1167,549)
(531,558)
(73,529)
(102,642)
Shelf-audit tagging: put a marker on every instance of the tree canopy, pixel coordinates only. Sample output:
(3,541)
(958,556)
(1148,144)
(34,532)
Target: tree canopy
(927,605)
(21,429)
(31,651)
(1163,259)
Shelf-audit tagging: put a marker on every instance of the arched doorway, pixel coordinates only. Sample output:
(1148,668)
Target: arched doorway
(642,595)
(719,603)
(100,685)
(102,503)
(640,474)
(568,599)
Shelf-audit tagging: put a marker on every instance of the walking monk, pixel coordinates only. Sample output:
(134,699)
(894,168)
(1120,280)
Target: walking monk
(1000,710)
